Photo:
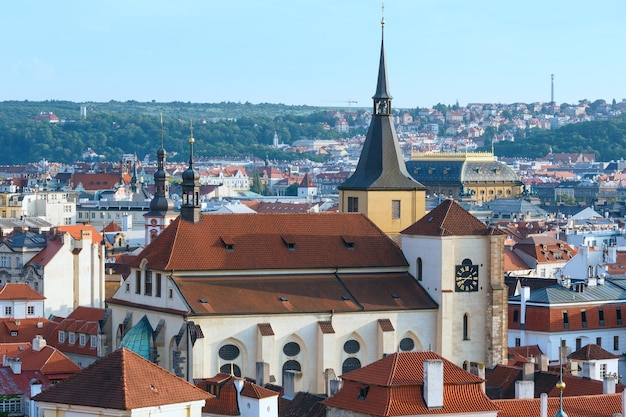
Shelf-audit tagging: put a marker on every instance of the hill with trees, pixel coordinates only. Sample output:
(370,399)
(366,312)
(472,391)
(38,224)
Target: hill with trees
(605,138)
(116,128)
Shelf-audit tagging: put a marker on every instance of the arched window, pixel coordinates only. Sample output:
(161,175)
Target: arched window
(292,365)
(350,364)
(466,327)
(419,269)
(231,368)
(229,352)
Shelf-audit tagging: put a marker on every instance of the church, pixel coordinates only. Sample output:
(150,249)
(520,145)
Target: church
(299,299)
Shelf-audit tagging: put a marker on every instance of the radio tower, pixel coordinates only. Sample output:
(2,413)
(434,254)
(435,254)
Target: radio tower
(552,89)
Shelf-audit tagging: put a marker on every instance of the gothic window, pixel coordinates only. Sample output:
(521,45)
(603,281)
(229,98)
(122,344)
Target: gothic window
(291,349)
(407,344)
(419,269)
(231,368)
(148,283)
(229,352)
(466,325)
(351,347)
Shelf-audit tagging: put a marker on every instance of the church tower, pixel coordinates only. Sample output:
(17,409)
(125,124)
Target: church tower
(381,187)
(190,208)
(161,212)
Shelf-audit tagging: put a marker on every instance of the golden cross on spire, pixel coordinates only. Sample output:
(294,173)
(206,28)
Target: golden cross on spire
(382,19)
(191,131)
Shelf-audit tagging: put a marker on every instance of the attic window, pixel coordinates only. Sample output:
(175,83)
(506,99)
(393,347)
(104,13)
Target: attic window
(363,392)
(290,242)
(395,296)
(203,300)
(345,297)
(283,299)
(228,242)
(348,241)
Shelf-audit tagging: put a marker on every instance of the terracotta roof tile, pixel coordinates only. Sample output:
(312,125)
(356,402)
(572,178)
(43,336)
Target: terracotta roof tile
(385,325)
(303,293)
(605,405)
(123,380)
(395,384)
(265,329)
(326,327)
(449,219)
(591,352)
(258,243)
(24,330)
(76,231)
(19,291)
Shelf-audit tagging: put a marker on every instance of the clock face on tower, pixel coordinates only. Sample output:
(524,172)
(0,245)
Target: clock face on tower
(466,277)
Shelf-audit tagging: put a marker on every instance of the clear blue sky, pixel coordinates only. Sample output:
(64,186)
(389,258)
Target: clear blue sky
(314,52)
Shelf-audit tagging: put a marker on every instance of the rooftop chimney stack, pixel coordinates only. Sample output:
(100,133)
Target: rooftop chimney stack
(433,383)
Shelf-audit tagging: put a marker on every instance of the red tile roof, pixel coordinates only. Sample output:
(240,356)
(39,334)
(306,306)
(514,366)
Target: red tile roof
(395,385)
(591,352)
(123,380)
(19,291)
(303,293)
(605,405)
(76,232)
(50,361)
(225,403)
(24,330)
(19,384)
(449,219)
(259,243)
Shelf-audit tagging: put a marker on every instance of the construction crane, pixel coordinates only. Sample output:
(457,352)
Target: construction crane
(350,102)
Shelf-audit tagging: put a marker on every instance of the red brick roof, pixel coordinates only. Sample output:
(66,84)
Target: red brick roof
(395,384)
(583,406)
(19,291)
(449,219)
(123,380)
(268,241)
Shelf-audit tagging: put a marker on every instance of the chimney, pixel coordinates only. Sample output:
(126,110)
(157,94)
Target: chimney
(525,296)
(608,385)
(262,372)
(16,365)
(589,369)
(35,387)
(290,384)
(542,360)
(528,371)
(433,383)
(38,343)
(524,389)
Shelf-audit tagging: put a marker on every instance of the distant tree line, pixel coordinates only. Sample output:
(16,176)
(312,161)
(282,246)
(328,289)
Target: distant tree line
(604,138)
(116,128)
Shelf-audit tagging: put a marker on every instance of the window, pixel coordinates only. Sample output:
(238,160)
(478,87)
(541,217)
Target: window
(157,286)
(148,283)
(171,293)
(615,342)
(353,204)
(579,343)
(565,320)
(599,341)
(351,347)
(71,338)
(515,316)
(407,344)
(30,310)
(11,405)
(228,352)
(5,262)
(61,336)
(82,339)
(466,327)
(518,342)
(602,370)
(618,314)
(137,282)
(350,364)
(583,318)
(93,342)
(231,368)
(291,349)
(419,269)
(128,287)
(601,316)
(395,209)
(8,310)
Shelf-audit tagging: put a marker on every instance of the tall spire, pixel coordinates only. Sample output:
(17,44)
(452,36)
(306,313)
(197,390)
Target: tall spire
(381,165)
(161,201)
(190,208)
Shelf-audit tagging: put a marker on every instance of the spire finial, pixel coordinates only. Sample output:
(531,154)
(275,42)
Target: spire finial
(382,19)
(191,140)
(161,130)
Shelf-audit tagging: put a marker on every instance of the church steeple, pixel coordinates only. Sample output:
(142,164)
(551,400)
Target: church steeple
(381,187)
(381,165)
(161,211)
(190,209)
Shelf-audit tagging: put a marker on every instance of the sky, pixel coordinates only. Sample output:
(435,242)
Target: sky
(313,52)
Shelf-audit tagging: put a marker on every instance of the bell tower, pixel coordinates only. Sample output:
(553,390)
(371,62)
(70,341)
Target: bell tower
(381,187)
